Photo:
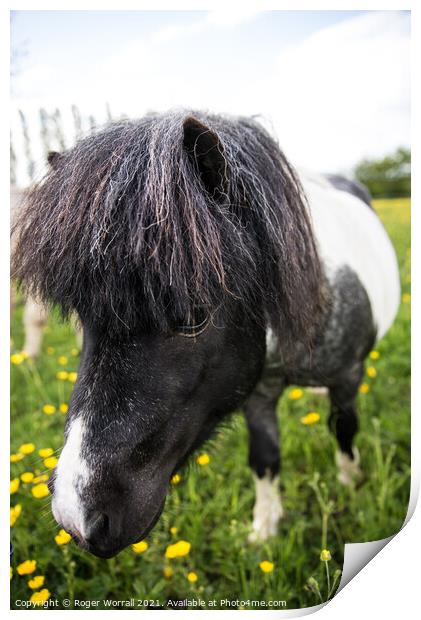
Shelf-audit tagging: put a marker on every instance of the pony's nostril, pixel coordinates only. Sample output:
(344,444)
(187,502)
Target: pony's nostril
(97,527)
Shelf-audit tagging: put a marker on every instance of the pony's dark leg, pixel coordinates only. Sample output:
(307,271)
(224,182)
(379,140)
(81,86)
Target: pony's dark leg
(264,457)
(343,422)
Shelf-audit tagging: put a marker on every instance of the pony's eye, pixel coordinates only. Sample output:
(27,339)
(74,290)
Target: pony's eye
(195,327)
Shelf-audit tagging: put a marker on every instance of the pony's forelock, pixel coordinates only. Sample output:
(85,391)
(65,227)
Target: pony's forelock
(124,229)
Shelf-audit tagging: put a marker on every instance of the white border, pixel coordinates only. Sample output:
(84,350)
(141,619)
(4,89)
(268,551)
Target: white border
(389,584)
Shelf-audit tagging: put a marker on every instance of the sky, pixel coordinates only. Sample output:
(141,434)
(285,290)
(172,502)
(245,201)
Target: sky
(332,86)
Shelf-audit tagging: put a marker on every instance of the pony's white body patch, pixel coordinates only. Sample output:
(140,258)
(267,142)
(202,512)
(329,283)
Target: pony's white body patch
(267,508)
(349,233)
(71,474)
(348,469)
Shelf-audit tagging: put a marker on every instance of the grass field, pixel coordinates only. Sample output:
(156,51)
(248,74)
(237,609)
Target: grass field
(211,506)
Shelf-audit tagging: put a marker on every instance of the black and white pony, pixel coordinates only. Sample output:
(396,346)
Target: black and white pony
(208,275)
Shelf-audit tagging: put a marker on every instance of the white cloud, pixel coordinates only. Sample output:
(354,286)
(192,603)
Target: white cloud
(343,93)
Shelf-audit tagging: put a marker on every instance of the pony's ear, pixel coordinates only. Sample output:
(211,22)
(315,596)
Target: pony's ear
(205,149)
(54,159)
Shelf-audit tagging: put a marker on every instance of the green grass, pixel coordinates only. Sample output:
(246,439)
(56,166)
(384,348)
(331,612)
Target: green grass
(212,505)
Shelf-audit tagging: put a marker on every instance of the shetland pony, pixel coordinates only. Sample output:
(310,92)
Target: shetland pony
(208,275)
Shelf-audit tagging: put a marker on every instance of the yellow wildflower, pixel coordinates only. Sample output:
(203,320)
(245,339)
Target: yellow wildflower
(36,582)
(27,476)
(266,566)
(325,555)
(14,458)
(295,394)
(62,375)
(62,360)
(11,572)
(45,452)
(311,418)
(27,567)
(168,572)
(374,355)
(27,448)
(64,407)
(41,478)
(72,377)
(50,350)
(178,549)
(17,358)
(371,372)
(140,547)
(40,490)
(40,597)
(74,352)
(14,485)
(406,298)
(203,459)
(192,577)
(62,538)
(15,512)
(173,530)
(51,462)
(176,479)
(364,388)
(49,409)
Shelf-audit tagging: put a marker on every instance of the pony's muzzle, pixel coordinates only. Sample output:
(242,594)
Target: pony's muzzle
(102,533)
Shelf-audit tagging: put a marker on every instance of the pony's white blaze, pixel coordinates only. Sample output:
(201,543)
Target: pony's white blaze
(71,473)
(267,508)
(349,233)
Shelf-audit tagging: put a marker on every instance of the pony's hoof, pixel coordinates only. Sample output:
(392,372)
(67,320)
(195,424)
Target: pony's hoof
(267,511)
(348,469)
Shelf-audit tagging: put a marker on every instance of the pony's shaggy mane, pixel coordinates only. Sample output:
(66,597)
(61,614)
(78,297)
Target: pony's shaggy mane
(136,226)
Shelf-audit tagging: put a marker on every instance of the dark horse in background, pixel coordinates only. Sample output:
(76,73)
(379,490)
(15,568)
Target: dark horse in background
(208,275)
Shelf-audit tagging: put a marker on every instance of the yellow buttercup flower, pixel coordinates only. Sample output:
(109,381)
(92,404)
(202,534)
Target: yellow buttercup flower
(62,360)
(178,549)
(310,418)
(176,479)
(15,512)
(11,572)
(49,409)
(51,462)
(168,572)
(40,597)
(371,372)
(295,394)
(45,452)
(203,459)
(40,490)
(27,448)
(62,537)
(374,355)
(14,485)
(266,566)
(41,478)
(74,352)
(17,358)
(140,547)
(406,298)
(50,350)
(173,530)
(27,567)
(27,476)
(364,388)
(72,377)
(36,582)
(64,408)
(62,375)
(325,555)
(192,577)
(14,458)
